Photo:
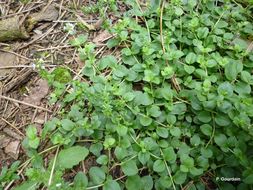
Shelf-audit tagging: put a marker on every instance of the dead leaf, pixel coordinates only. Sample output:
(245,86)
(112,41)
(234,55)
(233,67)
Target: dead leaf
(7,59)
(40,119)
(4,140)
(98,24)
(12,149)
(37,93)
(103,36)
(90,27)
(49,14)
(12,133)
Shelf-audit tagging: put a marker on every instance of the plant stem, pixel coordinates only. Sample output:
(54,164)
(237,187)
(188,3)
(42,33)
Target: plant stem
(53,167)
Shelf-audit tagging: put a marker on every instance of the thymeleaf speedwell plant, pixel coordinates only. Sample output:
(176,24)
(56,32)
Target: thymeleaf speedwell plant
(173,112)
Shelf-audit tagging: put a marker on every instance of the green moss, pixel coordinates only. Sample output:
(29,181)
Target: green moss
(61,75)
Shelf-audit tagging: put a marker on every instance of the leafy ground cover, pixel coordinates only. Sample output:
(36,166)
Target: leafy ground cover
(170,108)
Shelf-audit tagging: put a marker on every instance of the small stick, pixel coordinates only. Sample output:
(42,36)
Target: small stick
(23,66)
(44,34)
(51,48)
(173,79)
(14,53)
(24,103)
(53,167)
(13,127)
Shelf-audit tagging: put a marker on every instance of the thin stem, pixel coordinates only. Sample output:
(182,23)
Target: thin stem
(168,170)
(210,140)
(42,152)
(161,27)
(146,23)
(53,167)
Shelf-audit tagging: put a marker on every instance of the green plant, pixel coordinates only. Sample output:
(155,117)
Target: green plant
(101,6)
(174,109)
(9,174)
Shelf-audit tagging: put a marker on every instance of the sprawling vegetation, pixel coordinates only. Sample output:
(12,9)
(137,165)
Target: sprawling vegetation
(173,111)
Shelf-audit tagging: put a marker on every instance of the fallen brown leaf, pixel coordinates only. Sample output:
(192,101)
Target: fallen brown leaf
(37,93)
(7,59)
(12,149)
(103,36)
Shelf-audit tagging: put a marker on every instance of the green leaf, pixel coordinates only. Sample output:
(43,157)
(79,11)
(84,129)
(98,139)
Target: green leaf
(29,185)
(111,185)
(143,99)
(206,129)
(179,11)
(31,132)
(225,89)
(164,182)
(80,40)
(120,71)
(145,120)
(204,116)
(67,124)
(166,92)
(143,157)
(129,96)
(34,143)
(147,182)
(72,156)
(241,43)
(179,177)
(112,43)
(129,60)
(211,63)
(189,69)
(134,182)
(195,140)
(222,119)
(150,144)
(121,130)
(173,55)
(202,32)
(242,88)
(175,131)
(80,181)
(187,161)
(103,159)
(120,153)
(33,140)
(154,111)
(232,69)
(184,168)
(179,109)
(96,149)
(228,36)
(97,175)
(191,58)
(167,72)
(221,24)
(49,126)
(246,77)
(171,119)
(129,168)
(220,139)
(169,154)
(107,61)
(159,166)
(249,179)
(196,171)
(109,142)
(162,132)
(206,152)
